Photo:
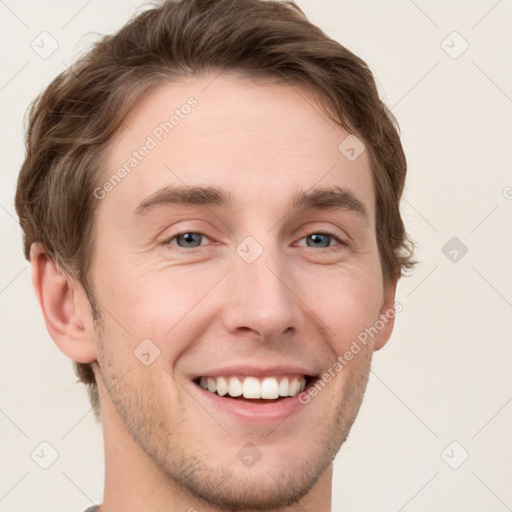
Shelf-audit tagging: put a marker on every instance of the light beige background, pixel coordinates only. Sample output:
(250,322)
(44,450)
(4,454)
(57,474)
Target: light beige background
(445,375)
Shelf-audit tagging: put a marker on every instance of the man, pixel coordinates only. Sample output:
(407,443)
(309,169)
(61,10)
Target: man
(210,204)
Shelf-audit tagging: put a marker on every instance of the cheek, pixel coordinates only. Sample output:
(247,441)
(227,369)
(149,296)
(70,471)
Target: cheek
(345,302)
(158,304)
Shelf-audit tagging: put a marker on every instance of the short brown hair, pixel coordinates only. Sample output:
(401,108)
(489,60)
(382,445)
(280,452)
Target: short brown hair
(73,120)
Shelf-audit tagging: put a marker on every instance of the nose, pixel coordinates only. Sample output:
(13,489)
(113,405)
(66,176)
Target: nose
(261,299)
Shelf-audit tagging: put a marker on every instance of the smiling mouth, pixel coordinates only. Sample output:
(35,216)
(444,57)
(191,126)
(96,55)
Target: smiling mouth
(254,389)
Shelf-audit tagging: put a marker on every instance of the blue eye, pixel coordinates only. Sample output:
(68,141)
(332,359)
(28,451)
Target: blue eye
(322,240)
(319,240)
(189,240)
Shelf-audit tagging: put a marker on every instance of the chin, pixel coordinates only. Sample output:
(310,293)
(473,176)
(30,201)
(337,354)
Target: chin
(263,488)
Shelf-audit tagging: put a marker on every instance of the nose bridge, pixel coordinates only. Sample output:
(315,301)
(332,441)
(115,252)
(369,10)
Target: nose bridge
(261,297)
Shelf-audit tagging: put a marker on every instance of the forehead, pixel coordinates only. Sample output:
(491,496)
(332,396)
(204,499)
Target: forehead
(260,141)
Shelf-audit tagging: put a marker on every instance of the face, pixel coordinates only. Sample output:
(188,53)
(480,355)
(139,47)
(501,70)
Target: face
(239,254)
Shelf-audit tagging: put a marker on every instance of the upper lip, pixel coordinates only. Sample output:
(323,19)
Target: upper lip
(257,371)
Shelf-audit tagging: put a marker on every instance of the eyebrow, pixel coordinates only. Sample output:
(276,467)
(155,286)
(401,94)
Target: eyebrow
(331,198)
(191,195)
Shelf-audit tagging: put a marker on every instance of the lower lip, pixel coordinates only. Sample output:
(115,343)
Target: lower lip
(254,412)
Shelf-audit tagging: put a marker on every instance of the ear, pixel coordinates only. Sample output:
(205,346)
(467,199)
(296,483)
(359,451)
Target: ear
(65,307)
(387,315)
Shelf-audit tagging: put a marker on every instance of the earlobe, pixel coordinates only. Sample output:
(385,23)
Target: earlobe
(63,304)
(387,314)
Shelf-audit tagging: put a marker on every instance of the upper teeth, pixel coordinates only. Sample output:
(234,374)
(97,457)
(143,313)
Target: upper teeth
(252,387)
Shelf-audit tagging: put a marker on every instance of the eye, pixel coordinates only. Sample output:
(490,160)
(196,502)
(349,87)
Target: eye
(186,240)
(322,240)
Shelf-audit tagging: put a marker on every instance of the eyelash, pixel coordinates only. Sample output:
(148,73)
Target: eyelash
(340,243)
